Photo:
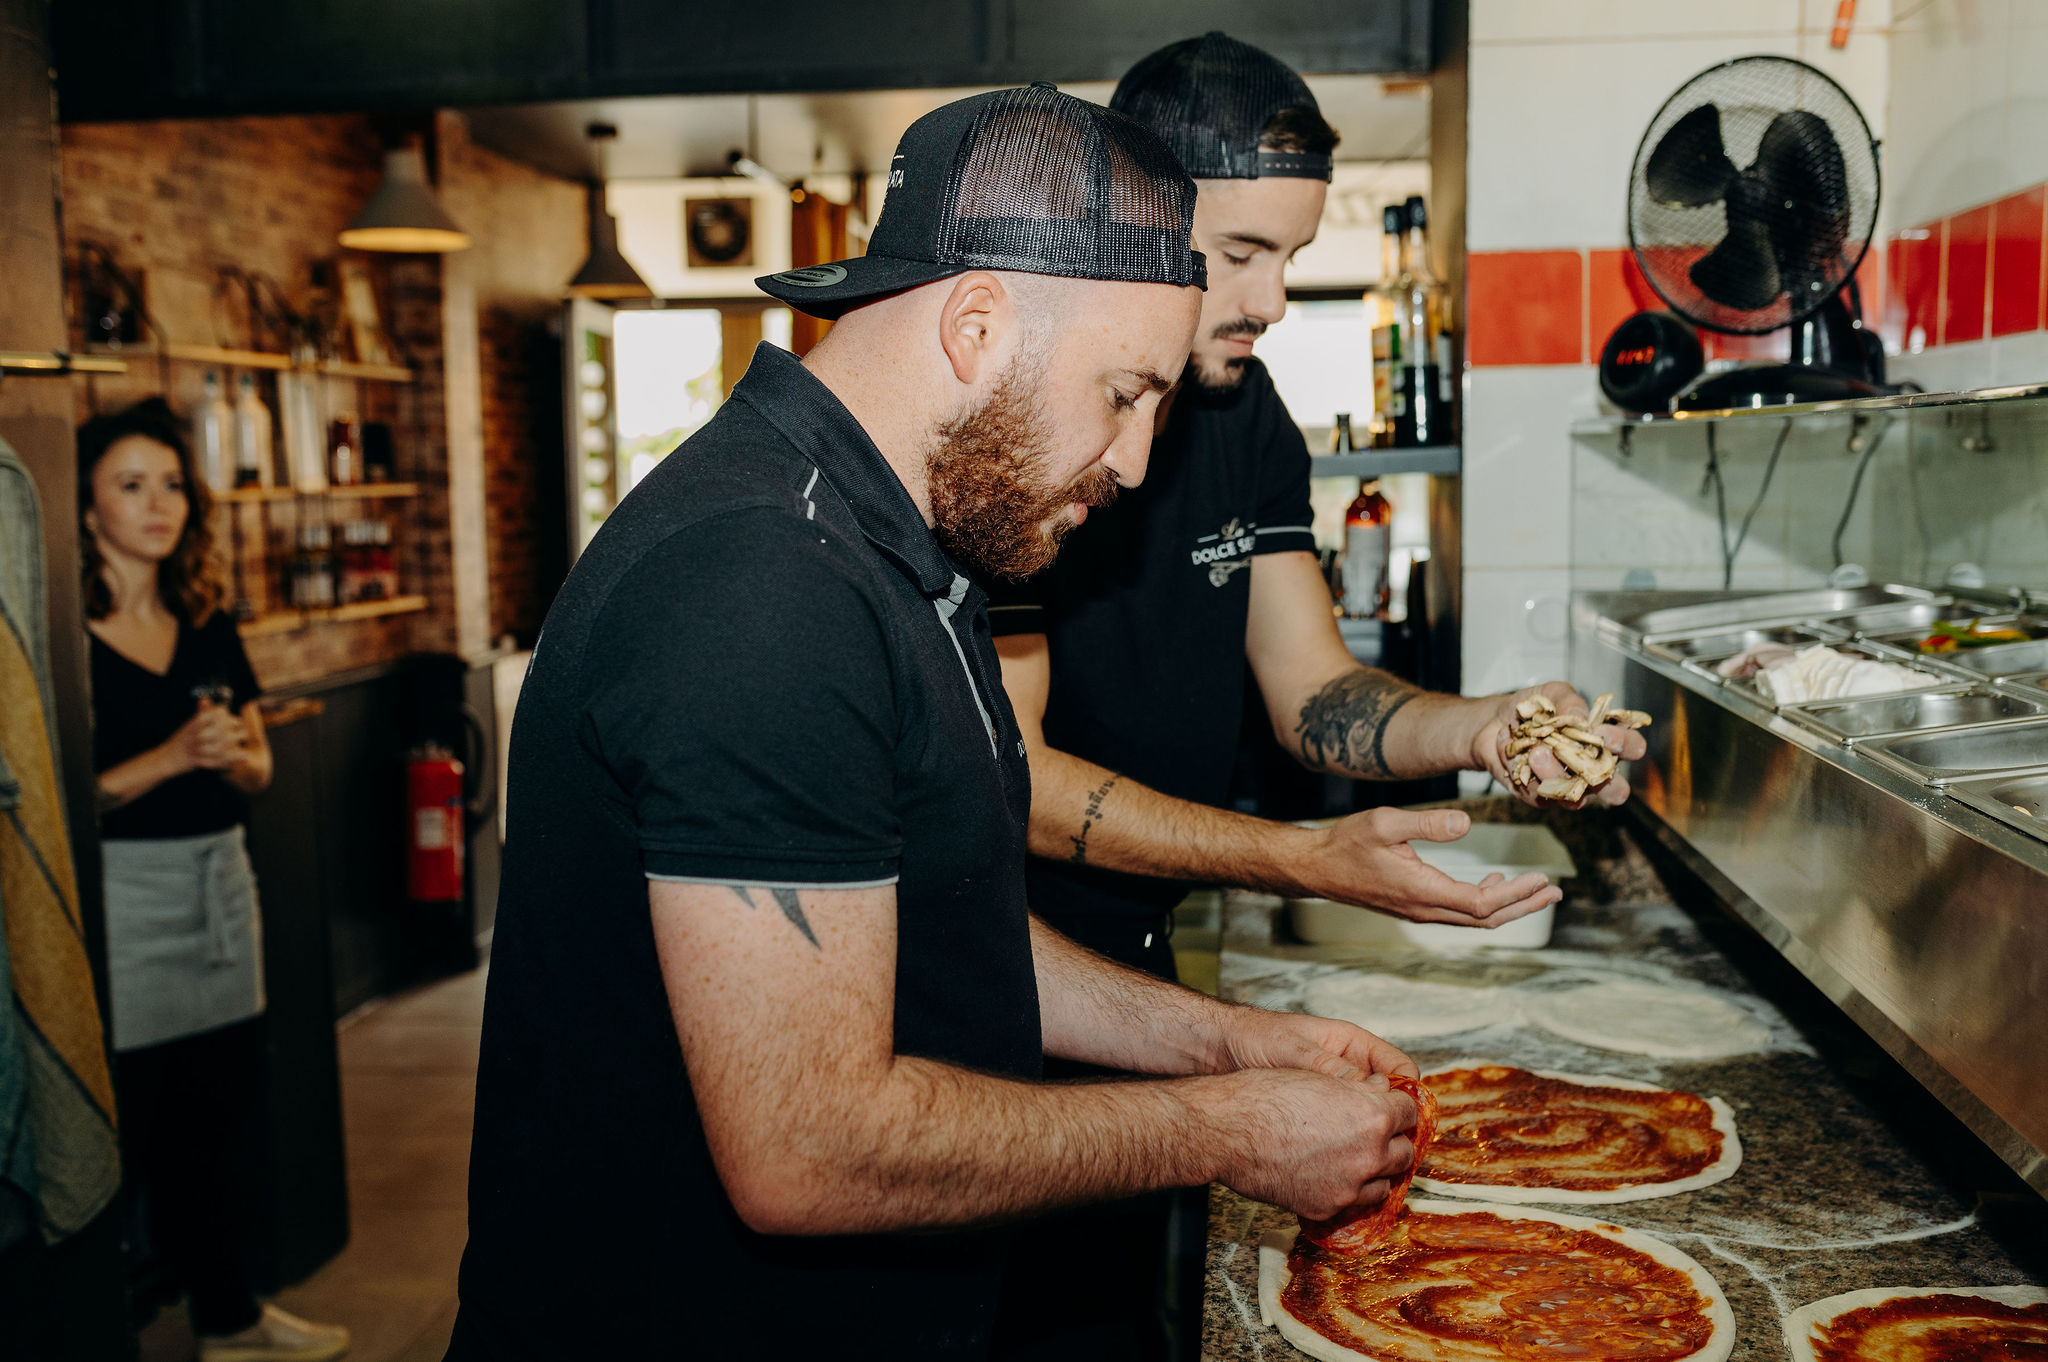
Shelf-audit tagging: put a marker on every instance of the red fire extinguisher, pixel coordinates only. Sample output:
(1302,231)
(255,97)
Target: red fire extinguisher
(433,807)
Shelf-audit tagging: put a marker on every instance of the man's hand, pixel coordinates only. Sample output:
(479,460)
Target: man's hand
(1365,859)
(1318,1146)
(1255,1038)
(1490,748)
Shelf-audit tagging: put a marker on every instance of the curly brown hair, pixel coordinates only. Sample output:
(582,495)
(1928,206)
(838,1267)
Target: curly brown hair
(190,578)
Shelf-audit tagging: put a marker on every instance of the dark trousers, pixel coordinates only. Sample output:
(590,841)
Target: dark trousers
(187,1109)
(1089,1283)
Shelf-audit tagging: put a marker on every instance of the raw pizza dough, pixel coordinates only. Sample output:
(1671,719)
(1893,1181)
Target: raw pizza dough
(1720,1170)
(1389,1006)
(1648,1019)
(1274,1276)
(1801,1323)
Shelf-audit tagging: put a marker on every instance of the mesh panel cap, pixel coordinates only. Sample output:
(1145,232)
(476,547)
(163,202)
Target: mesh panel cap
(1210,98)
(1026,179)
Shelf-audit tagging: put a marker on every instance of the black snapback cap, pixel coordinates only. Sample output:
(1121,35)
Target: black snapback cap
(1210,98)
(1027,179)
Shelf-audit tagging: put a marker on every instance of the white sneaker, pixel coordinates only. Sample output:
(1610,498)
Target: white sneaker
(276,1336)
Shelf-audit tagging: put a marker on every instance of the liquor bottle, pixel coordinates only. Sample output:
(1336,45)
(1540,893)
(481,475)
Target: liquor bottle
(344,451)
(1383,313)
(216,433)
(305,451)
(1368,530)
(254,466)
(1422,413)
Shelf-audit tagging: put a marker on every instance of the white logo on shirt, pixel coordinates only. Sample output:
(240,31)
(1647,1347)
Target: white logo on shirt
(1224,552)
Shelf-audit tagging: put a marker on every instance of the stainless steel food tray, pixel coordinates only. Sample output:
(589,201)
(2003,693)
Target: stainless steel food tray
(2021,801)
(1715,644)
(1870,717)
(1721,612)
(1944,758)
(1864,649)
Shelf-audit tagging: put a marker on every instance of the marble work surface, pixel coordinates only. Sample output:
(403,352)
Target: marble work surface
(1847,1180)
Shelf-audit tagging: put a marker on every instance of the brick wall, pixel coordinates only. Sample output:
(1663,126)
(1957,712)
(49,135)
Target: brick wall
(177,200)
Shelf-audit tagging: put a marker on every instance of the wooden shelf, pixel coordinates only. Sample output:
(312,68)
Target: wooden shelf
(256,359)
(285,621)
(364,610)
(374,373)
(385,490)
(370,489)
(279,622)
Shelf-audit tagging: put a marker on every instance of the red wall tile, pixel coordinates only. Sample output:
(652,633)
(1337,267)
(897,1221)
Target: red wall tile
(1913,285)
(1526,307)
(1966,270)
(1615,291)
(2016,262)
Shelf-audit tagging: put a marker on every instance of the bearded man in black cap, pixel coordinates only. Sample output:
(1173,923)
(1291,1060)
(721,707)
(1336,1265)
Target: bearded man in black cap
(766,1009)
(1125,661)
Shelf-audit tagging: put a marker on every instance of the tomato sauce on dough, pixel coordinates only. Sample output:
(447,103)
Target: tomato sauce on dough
(1936,1329)
(1479,1288)
(1501,1126)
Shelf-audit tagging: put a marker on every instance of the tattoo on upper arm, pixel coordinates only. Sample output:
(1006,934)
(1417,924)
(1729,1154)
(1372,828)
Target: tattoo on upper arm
(1091,818)
(785,899)
(1344,725)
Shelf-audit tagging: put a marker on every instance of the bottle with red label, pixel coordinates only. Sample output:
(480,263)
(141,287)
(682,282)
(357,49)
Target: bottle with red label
(1368,553)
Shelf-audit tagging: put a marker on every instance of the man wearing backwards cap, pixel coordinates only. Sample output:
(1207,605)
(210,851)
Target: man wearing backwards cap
(767,1012)
(1125,661)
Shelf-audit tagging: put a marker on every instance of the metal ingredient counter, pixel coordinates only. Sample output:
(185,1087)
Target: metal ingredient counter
(1884,866)
(1851,1176)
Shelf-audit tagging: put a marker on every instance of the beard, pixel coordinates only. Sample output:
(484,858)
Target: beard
(1216,377)
(994,507)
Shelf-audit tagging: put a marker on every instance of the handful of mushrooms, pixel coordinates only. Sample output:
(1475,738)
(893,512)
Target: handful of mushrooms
(1574,739)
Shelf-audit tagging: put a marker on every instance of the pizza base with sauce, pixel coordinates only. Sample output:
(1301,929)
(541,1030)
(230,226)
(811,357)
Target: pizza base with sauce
(1720,1170)
(1275,1274)
(1802,1326)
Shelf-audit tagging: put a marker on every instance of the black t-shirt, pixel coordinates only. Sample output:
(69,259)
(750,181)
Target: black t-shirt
(1144,614)
(134,710)
(763,670)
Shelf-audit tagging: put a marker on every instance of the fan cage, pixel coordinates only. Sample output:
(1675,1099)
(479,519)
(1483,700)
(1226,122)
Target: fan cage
(1749,92)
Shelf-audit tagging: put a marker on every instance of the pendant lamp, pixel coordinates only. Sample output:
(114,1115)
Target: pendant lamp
(403,214)
(606,273)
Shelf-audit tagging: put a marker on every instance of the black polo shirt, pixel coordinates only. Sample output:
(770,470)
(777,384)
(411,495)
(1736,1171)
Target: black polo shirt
(1144,614)
(763,670)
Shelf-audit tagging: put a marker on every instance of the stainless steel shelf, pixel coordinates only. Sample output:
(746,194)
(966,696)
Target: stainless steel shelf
(1441,460)
(1898,402)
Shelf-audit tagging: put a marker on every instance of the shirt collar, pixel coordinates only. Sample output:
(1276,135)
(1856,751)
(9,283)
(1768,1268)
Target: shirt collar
(790,398)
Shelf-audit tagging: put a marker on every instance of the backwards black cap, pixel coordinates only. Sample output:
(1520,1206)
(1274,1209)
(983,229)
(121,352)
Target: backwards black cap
(1210,98)
(1027,179)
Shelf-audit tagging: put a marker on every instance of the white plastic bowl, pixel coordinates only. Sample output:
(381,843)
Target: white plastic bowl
(1509,849)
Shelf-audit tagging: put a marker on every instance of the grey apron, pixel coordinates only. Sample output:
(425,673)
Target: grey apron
(184,938)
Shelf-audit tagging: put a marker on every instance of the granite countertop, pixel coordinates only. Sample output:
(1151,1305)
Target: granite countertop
(1850,1176)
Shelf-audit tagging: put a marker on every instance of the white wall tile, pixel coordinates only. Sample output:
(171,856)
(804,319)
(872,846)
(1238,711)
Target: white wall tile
(1517,495)
(1515,628)
(1554,130)
(1944,134)
(2024,153)
(1819,16)
(1498,21)
(1946,368)
(2021,359)
(1863,69)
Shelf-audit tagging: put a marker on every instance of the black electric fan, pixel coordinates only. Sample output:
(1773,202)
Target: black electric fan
(1750,205)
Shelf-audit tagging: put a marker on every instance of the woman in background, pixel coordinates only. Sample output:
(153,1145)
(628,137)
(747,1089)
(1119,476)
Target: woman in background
(179,747)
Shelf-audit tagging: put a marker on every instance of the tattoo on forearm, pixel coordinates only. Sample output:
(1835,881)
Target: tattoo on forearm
(785,899)
(1344,726)
(1091,818)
